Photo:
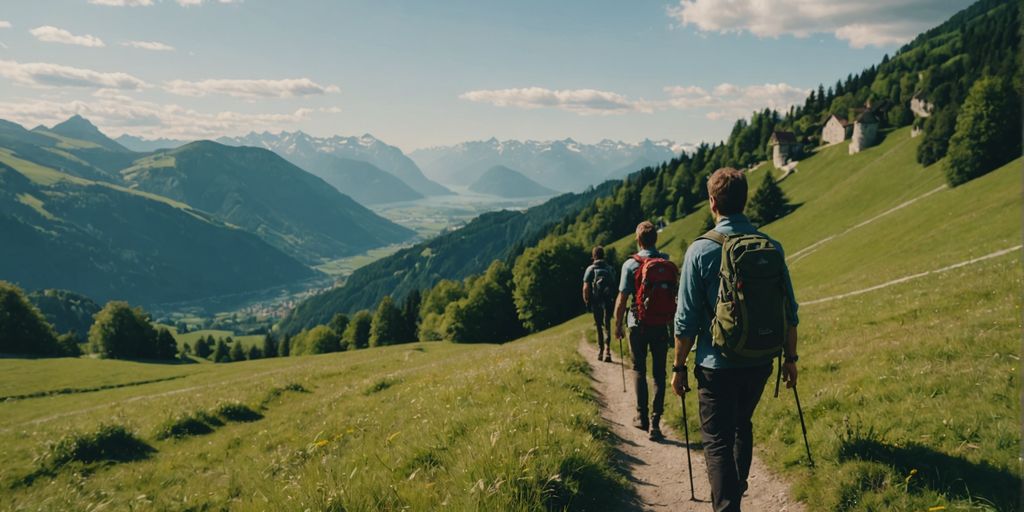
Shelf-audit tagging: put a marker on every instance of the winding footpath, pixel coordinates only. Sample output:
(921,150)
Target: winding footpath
(657,470)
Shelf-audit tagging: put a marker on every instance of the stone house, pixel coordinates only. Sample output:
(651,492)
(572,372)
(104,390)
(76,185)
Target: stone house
(784,147)
(865,132)
(837,129)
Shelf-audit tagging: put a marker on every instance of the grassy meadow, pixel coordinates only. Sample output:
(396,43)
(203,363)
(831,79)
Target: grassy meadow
(911,393)
(418,427)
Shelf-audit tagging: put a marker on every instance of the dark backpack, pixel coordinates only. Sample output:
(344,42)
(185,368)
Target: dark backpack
(751,318)
(604,287)
(656,282)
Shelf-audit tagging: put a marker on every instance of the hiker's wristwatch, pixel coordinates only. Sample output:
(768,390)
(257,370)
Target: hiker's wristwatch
(792,359)
(679,369)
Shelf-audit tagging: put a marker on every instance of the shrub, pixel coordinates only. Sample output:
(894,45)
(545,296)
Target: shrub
(236,411)
(184,425)
(318,340)
(987,133)
(123,332)
(107,443)
(387,326)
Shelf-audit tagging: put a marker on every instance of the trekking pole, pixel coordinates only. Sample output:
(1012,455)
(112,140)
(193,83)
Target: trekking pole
(686,434)
(622,365)
(803,427)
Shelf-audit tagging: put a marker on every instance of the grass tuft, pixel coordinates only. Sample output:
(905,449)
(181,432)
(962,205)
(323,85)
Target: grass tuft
(184,425)
(236,411)
(381,385)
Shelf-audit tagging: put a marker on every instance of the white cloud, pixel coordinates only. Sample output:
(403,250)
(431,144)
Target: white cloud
(730,100)
(330,110)
(51,34)
(188,3)
(580,101)
(116,113)
(859,22)
(287,88)
(122,3)
(149,45)
(44,74)
(5,24)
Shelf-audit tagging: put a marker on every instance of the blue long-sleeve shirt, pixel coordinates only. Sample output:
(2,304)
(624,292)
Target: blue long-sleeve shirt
(698,294)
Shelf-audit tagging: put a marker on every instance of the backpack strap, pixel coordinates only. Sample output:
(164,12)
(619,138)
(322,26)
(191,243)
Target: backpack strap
(714,236)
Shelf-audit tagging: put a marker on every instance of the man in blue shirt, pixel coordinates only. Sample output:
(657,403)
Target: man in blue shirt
(728,390)
(643,338)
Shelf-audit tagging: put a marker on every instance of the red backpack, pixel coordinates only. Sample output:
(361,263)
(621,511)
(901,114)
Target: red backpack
(656,282)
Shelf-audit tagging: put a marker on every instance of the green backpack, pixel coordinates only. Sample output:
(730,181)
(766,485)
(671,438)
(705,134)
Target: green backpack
(751,318)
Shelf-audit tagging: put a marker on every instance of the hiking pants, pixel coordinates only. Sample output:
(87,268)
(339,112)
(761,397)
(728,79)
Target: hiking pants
(655,340)
(727,399)
(603,320)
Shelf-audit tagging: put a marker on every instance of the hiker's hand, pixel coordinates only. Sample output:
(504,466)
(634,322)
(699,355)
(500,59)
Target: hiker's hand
(619,333)
(680,383)
(789,374)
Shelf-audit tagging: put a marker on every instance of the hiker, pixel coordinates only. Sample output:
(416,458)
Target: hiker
(731,366)
(651,279)
(599,287)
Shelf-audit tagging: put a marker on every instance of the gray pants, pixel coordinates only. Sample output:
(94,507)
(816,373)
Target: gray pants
(656,341)
(603,320)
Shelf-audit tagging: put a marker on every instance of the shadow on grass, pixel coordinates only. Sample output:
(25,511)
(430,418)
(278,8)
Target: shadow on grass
(947,474)
(110,444)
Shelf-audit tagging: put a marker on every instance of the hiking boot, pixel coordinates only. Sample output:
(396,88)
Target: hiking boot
(600,354)
(608,356)
(655,434)
(640,422)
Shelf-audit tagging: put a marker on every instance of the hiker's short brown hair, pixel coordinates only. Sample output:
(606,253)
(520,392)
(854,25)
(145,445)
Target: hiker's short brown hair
(729,188)
(646,234)
(597,253)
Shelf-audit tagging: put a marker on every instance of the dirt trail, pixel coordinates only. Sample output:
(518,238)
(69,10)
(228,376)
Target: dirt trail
(658,469)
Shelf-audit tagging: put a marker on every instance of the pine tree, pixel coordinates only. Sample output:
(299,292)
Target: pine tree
(254,352)
(411,315)
(285,346)
(769,202)
(203,349)
(222,353)
(269,345)
(237,352)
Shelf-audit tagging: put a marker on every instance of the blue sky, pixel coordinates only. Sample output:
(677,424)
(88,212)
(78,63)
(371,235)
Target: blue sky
(418,74)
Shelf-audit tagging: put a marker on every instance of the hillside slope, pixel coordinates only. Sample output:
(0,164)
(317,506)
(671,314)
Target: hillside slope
(109,242)
(261,192)
(504,182)
(403,427)
(363,181)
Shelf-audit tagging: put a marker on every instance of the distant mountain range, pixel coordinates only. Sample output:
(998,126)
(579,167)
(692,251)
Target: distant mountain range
(81,212)
(308,152)
(140,145)
(504,182)
(562,165)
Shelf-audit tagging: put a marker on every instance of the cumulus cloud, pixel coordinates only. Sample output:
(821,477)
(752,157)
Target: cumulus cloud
(580,101)
(5,24)
(122,3)
(116,113)
(51,34)
(730,100)
(859,22)
(287,88)
(43,74)
(149,45)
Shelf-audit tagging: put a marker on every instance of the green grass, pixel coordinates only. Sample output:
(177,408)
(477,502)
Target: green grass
(922,376)
(343,267)
(462,427)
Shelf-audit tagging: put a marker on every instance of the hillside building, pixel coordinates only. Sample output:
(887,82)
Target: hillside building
(865,132)
(784,147)
(837,129)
